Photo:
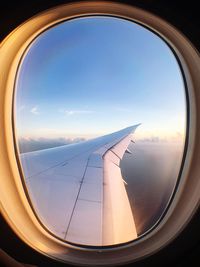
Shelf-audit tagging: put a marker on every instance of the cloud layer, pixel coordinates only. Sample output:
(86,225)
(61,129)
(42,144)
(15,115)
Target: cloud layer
(33,144)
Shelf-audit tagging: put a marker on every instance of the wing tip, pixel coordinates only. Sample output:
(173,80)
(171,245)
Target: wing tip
(133,127)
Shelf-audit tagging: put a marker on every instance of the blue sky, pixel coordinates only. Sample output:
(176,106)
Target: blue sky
(95,75)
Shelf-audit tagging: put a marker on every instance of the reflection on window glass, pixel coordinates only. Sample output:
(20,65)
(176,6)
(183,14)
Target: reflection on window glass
(100,126)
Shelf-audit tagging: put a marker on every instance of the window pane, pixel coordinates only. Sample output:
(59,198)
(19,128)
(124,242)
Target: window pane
(100,124)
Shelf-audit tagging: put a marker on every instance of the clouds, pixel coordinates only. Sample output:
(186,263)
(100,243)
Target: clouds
(33,144)
(72,112)
(30,109)
(77,112)
(161,139)
(35,111)
(68,112)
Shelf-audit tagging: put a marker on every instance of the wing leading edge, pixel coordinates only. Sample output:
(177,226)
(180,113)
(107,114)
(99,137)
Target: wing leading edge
(78,190)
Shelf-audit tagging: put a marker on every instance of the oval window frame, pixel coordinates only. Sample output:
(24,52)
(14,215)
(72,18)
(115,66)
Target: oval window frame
(17,210)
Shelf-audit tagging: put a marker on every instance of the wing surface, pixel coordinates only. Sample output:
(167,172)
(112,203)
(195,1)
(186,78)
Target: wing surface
(78,190)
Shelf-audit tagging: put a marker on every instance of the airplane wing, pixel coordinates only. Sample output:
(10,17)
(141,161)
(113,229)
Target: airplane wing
(78,191)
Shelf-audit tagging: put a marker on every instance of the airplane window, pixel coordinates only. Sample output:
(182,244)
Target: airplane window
(100,127)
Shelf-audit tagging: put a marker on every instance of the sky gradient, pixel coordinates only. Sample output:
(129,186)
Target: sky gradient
(92,76)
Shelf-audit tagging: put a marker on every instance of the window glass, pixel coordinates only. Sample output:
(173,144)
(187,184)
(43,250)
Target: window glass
(100,125)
